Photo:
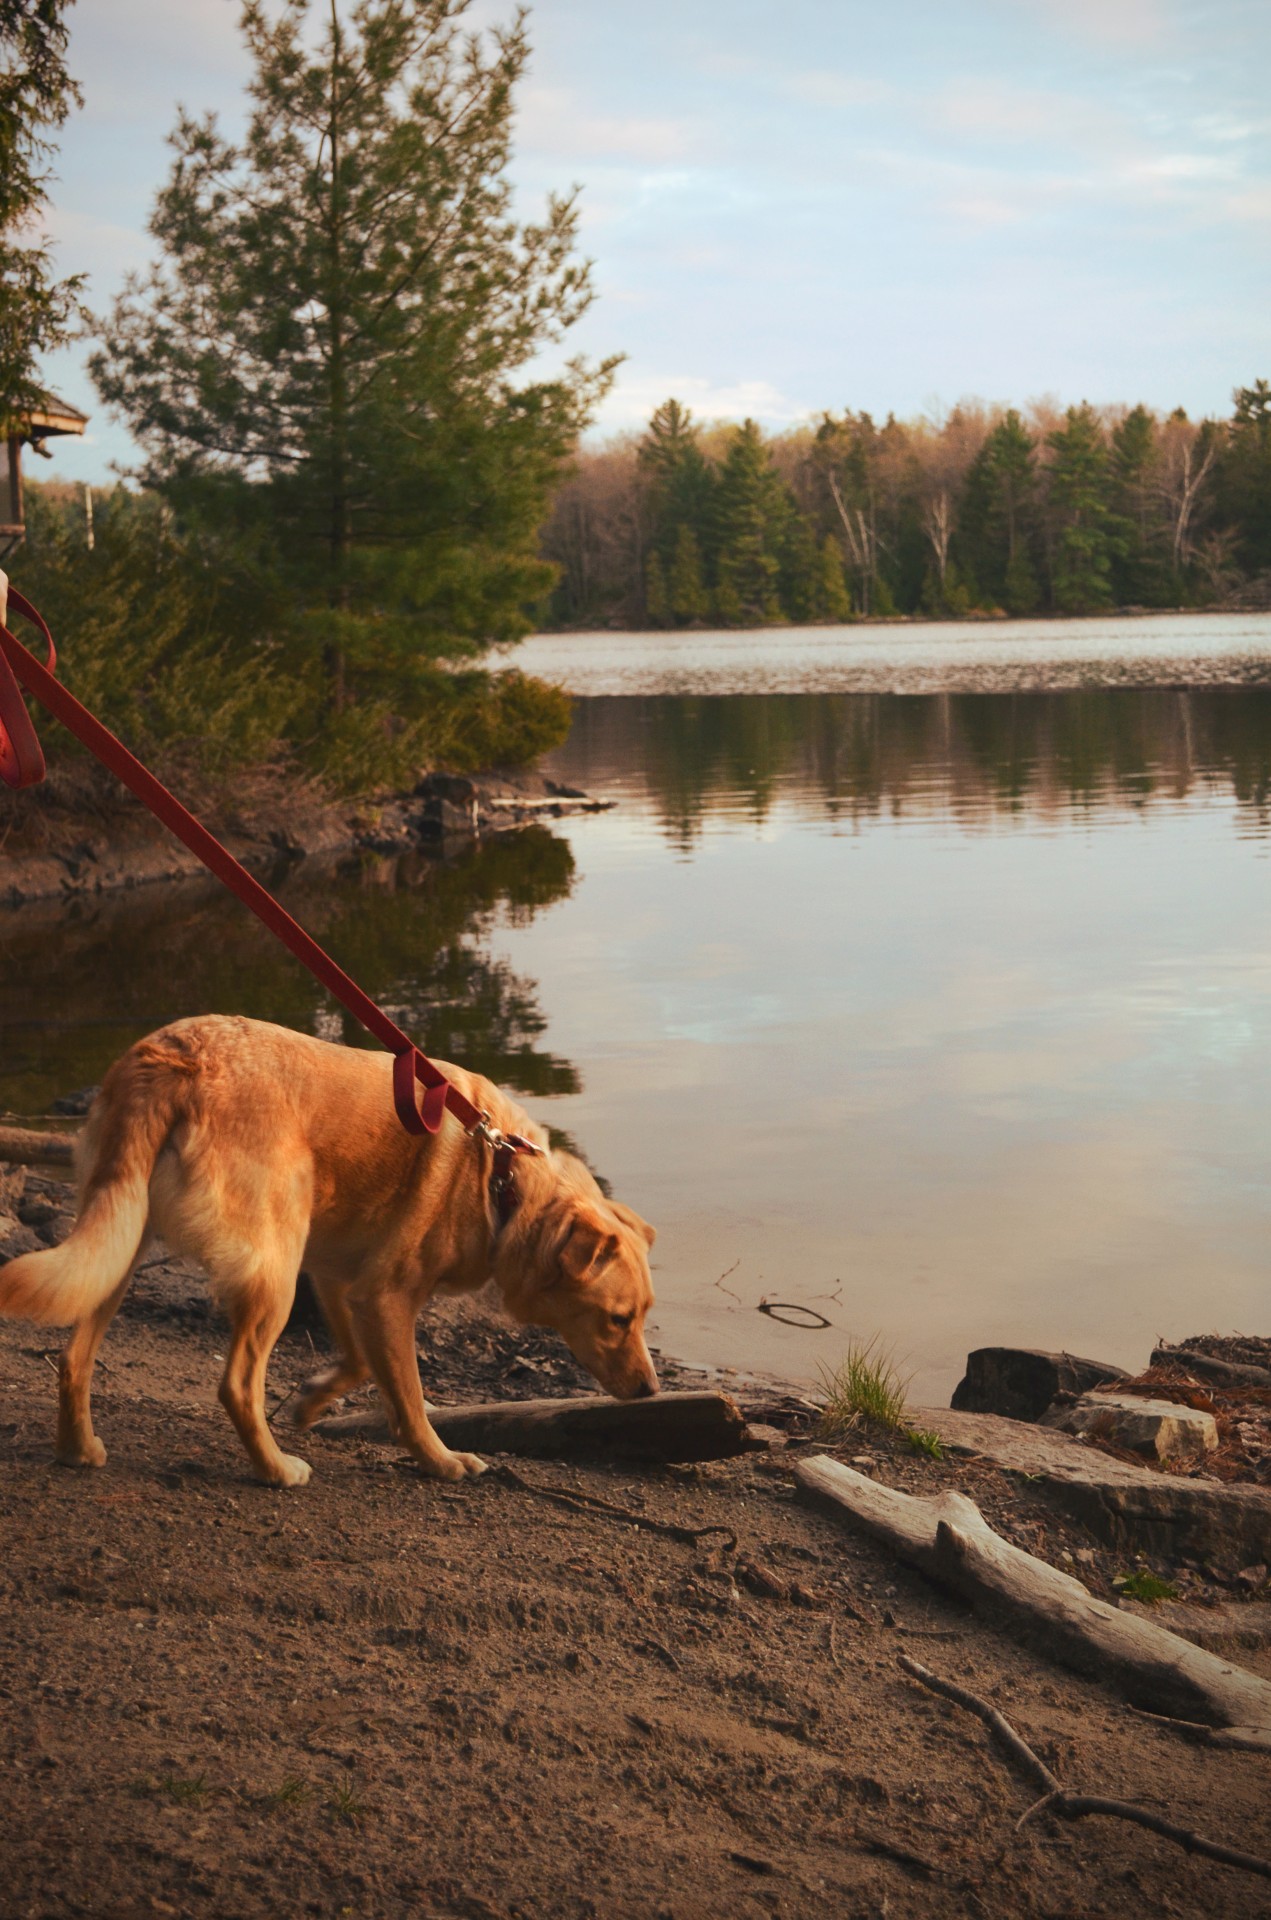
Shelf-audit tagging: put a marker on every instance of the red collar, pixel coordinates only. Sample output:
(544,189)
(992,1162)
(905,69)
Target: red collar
(504,1197)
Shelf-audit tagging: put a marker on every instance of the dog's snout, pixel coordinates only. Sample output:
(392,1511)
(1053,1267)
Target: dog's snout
(646,1388)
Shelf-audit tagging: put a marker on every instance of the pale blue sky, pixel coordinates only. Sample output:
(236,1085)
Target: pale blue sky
(825,203)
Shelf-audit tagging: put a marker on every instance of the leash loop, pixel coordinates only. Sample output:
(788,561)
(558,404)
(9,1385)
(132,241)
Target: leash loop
(21,756)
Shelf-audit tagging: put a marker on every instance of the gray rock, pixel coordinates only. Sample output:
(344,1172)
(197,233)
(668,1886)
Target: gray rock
(1021,1382)
(1123,1504)
(1158,1428)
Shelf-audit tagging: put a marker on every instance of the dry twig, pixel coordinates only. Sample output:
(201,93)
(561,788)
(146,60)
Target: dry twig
(589,1503)
(1060,1800)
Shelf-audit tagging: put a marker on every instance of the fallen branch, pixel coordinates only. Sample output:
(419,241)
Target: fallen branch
(21,1147)
(1060,1800)
(668,1426)
(949,1539)
(589,1503)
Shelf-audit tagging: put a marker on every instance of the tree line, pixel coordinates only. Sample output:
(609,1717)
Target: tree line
(988,510)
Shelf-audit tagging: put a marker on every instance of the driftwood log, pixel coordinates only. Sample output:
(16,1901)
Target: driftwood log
(21,1147)
(1222,1373)
(670,1426)
(949,1539)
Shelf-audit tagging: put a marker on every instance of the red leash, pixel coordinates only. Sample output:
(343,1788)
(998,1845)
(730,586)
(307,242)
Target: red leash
(22,765)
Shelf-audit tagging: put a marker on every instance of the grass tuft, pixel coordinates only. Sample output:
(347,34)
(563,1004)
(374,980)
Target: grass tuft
(294,1792)
(864,1386)
(186,1793)
(922,1440)
(1148,1587)
(345,1806)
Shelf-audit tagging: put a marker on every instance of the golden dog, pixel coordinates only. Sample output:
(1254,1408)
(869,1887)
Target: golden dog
(254,1151)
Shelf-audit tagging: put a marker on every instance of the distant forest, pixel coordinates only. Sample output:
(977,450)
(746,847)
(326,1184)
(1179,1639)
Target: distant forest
(991,510)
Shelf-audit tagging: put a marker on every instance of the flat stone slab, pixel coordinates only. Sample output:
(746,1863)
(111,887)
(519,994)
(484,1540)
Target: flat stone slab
(1159,1428)
(1126,1505)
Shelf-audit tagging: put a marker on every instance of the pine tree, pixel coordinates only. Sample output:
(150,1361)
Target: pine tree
(833,601)
(1244,481)
(998,516)
(687,592)
(657,609)
(1086,535)
(677,484)
(1140,570)
(36,95)
(331,356)
(752,510)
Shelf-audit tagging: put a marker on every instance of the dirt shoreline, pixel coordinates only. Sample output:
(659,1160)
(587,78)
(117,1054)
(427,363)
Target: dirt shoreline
(381,1696)
(84,856)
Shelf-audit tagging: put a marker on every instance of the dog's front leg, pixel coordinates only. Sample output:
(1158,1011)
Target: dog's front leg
(385,1325)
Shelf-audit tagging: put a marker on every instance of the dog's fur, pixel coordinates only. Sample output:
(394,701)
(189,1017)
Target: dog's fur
(257,1151)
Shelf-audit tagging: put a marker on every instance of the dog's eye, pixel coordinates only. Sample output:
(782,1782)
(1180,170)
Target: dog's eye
(621,1319)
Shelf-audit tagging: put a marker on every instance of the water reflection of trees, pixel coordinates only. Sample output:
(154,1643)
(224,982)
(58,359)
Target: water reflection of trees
(979,756)
(78,984)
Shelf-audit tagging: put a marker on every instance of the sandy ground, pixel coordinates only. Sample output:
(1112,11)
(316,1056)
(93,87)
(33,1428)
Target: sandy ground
(379,1696)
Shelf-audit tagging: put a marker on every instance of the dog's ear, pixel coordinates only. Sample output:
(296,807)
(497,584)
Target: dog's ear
(631,1218)
(589,1245)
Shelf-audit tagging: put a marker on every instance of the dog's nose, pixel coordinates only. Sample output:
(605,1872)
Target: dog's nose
(646,1388)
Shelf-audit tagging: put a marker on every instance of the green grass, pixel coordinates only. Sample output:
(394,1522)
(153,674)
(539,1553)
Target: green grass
(922,1440)
(1148,1587)
(345,1806)
(865,1386)
(186,1793)
(294,1792)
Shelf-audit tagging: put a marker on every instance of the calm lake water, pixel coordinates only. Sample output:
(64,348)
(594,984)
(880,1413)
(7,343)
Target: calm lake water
(946,1013)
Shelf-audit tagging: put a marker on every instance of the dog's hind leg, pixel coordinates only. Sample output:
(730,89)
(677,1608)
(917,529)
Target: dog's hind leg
(258,1313)
(349,1371)
(77,1445)
(385,1325)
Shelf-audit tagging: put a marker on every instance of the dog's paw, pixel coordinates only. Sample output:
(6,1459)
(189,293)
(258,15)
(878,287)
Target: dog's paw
(295,1472)
(93,1455)
(453,1466)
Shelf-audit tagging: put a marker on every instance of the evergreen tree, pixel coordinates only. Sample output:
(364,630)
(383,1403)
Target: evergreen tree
(1244,483)
(331,355)
(999,514)
(833,601)
(753,508)
(1140,571)
(657,610)
(798,567)
(678,488)
(1086,535)
(687,592)
(36,95)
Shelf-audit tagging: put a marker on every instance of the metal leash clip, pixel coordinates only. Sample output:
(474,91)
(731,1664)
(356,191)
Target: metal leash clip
(513,1142)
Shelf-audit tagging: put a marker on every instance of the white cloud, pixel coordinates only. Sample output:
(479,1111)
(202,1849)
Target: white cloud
(98,247)
(999,109)
(635,395)
(1138,23)
(1183,166)
(843,90)
(549,121)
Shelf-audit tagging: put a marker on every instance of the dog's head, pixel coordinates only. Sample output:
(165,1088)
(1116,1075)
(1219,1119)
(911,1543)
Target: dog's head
(592,1284)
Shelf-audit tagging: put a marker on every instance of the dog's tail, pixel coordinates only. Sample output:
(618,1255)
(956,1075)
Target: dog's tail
(128,1125)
